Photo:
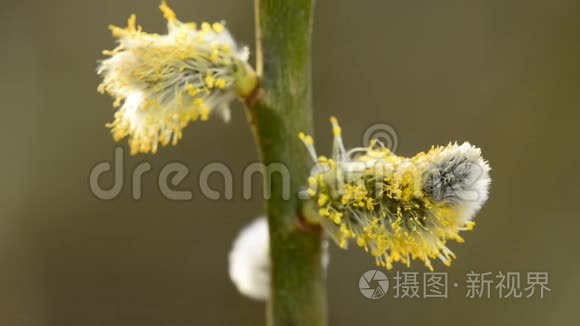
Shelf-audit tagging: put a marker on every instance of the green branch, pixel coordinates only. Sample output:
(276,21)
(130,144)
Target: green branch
(278,112)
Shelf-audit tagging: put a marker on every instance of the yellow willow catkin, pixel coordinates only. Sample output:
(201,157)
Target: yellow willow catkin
(397,208)
(163,82)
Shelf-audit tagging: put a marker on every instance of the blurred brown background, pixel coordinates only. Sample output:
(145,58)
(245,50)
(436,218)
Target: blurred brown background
(501,74)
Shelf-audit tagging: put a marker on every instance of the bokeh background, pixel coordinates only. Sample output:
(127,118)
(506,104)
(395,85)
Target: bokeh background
(504,75)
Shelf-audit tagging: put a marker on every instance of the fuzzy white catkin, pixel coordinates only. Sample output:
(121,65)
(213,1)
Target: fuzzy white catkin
(249,260)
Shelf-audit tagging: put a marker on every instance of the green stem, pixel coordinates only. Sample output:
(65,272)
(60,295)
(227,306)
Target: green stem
(278,112)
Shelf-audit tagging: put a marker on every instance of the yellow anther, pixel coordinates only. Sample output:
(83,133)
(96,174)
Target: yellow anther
(218,27)
(204,113)
(209,81)
(194,115)
(168,13)
(191,91)
(336,130)
(206,27)
(190,26)
(131,23)
(117,31)
(312,181)
(117,102)
(332,164)
(214,57)
(220,83)
(307,139)
(469,226)
(322,200)
(336,217)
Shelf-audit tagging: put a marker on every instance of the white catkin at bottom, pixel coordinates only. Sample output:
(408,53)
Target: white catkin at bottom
(249,260)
